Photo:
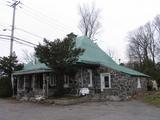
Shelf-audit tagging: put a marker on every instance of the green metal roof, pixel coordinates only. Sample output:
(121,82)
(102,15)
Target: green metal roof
(32,68)
(35,66)
(95,55)
(92,55)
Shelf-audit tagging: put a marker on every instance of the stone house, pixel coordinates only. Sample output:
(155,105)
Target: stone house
(96,71)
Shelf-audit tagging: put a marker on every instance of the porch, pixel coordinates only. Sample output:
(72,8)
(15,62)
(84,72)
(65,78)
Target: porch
(40,84)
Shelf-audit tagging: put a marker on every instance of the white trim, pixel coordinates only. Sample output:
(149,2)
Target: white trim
(66,81)
(139,83)
(52,80)
(90,78)
(102,75)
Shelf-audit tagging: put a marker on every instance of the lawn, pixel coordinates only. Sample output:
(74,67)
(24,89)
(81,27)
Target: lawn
(152,98)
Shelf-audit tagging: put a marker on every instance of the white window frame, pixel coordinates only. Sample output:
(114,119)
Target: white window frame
(90,78)
(66,81)
(102,76)
(139,83)
(52,80)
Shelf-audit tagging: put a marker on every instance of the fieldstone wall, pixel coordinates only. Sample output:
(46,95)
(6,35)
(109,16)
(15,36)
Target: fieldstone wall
(122,85)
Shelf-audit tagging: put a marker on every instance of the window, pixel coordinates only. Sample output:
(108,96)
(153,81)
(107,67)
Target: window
(106,81)
(66,81)
(52,79)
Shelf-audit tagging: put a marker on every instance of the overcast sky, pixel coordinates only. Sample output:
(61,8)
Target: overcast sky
(55,18)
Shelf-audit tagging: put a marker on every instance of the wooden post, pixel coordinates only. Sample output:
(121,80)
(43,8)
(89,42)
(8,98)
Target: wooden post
(17,83)
(47,86)
(24,83)
(44,84)
(12,80)
(33,82)
(81,77)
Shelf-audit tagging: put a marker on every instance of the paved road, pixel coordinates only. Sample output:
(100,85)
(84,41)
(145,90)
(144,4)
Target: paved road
(132,110)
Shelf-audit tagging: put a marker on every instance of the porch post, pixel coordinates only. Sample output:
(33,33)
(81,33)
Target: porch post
(17,83)
(101,81)
(81,77)
(44,84)
(33,82)
(47,87)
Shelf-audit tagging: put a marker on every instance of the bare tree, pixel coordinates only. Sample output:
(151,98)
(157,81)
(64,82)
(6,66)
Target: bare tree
(89,23)
(142,43)
(151,40)
(156,24)
(144,48)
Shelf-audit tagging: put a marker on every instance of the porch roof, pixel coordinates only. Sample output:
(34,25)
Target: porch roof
(33,68)
(92,55)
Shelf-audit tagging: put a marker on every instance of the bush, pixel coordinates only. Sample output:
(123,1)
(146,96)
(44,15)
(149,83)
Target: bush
(5,87)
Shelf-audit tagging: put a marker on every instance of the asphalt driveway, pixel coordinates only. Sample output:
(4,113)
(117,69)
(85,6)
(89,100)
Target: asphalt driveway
(130,110)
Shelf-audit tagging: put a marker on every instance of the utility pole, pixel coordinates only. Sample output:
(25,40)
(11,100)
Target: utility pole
(14,5)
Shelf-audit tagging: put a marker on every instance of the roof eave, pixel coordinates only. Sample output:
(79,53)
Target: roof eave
(31,71)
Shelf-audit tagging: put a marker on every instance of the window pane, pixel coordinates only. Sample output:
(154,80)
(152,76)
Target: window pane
(106,80)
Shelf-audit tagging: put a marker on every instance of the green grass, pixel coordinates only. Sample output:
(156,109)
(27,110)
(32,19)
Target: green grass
(153,99)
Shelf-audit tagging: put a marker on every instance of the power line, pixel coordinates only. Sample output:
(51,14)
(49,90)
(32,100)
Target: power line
(33,34)
(25,41)
(18,39)
(44,22)
(28,8)
(4,38)
(49,22)
(5,28)
(17,42)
